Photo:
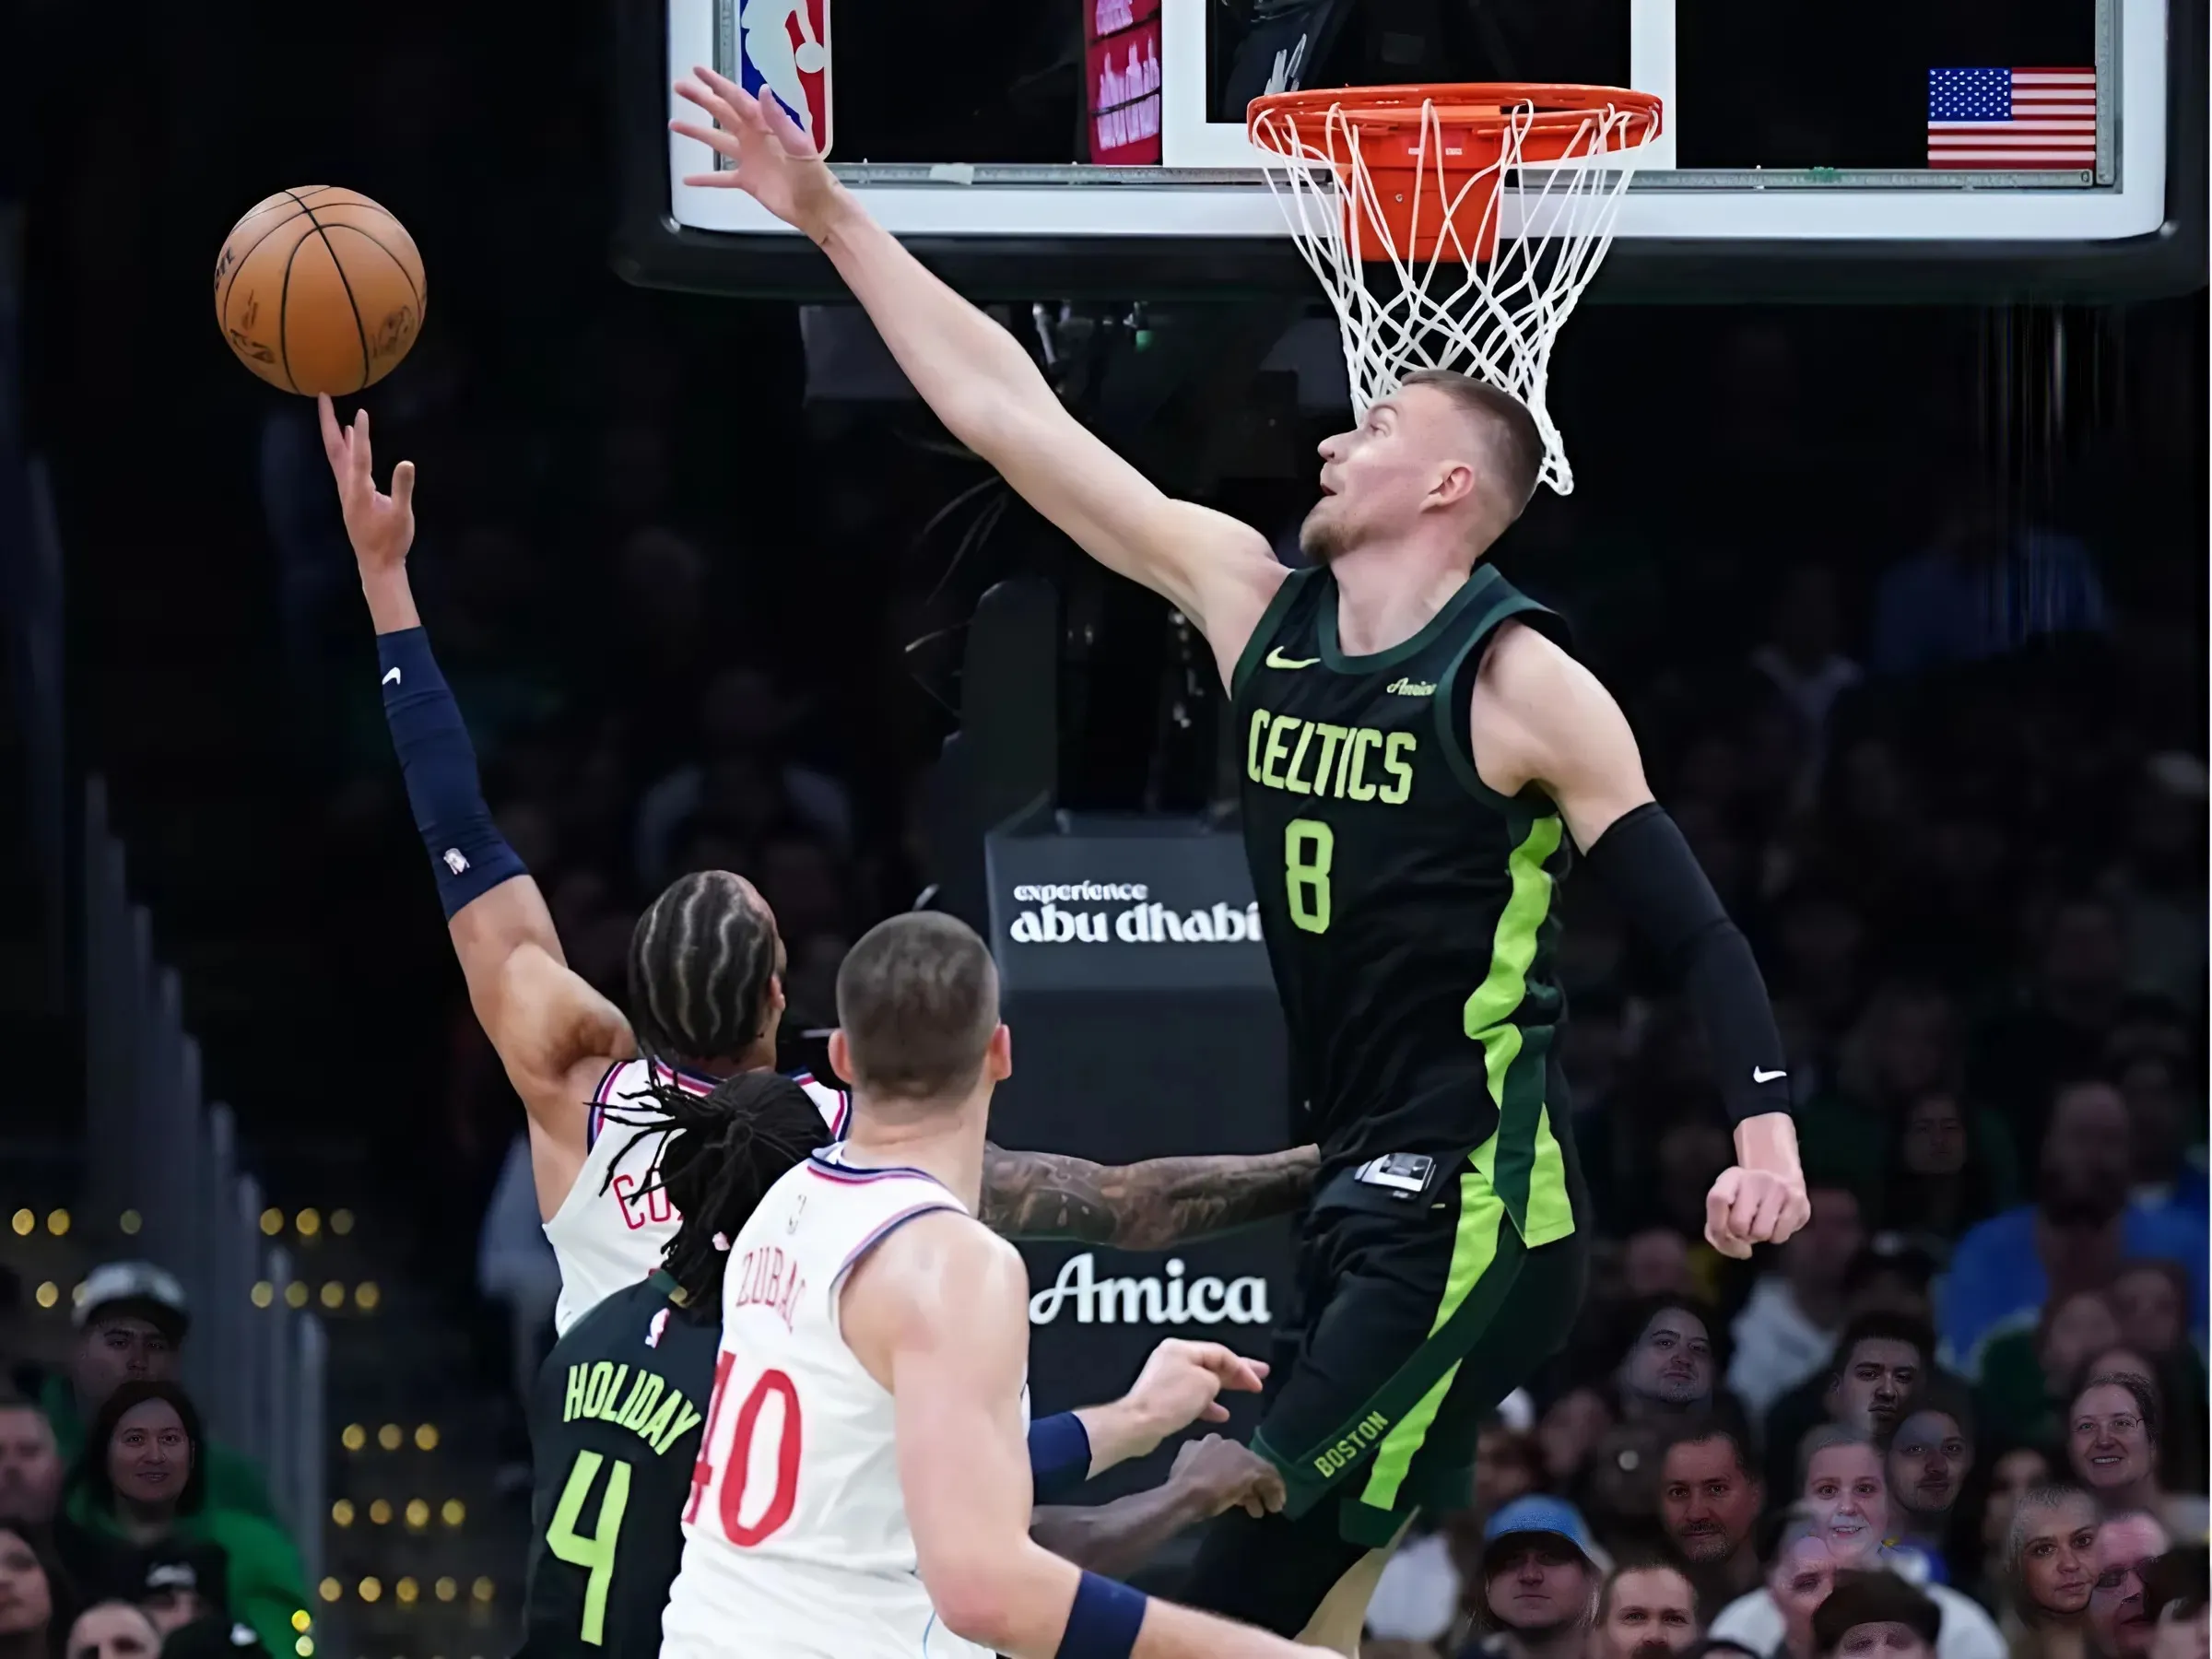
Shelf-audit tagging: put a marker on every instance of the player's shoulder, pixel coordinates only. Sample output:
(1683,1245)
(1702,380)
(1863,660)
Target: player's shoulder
(1526,671)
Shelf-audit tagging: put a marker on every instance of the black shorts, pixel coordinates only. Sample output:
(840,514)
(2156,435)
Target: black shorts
(1419,1317)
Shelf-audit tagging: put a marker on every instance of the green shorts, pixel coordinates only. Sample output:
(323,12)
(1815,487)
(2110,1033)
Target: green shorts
(1422,1312)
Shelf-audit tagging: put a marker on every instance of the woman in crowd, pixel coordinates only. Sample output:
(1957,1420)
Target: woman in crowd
(2151,1300)
(34,1598)
(2112,1430)
(2050,1568)
(142,1482)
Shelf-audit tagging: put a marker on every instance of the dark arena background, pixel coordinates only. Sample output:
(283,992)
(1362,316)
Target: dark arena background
(1889,536)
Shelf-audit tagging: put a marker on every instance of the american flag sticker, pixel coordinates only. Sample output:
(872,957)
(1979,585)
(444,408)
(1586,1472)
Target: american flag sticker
(2026,119)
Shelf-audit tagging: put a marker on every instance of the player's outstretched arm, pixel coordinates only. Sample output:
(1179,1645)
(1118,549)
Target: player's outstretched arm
(1178,1387)
(939,1314)
(983,386)
(1210,1475)
(554,1033)
(1540,717)
(1150,1205)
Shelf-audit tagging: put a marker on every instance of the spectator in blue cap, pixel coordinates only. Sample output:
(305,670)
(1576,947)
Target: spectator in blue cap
(1540,1575)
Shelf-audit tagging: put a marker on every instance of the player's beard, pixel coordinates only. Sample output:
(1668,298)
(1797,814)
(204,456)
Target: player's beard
(1325,537)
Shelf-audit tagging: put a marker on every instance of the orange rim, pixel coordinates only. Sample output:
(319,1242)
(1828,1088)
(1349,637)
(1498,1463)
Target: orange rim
(1535,107)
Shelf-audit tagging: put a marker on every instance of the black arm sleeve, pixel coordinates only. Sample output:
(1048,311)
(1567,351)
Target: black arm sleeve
(1650,871)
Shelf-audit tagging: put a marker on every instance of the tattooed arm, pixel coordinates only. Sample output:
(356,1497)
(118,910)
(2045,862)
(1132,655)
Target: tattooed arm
(1149,1206)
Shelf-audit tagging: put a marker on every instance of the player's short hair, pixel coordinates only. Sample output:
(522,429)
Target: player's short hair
(701,958)
(1517,447)
(917,999)
(729,1148)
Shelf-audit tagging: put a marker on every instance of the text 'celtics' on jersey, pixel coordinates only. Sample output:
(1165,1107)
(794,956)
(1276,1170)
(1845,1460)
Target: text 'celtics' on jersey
(1408,908)
(614,1436)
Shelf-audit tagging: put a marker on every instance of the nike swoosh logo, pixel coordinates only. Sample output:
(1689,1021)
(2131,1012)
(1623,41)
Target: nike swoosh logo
(390,679)
(1766,1076)
(1276,659)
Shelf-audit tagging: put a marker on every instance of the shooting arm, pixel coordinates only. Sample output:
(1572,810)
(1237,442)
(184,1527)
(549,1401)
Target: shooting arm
(555,1035)
(990,395)
(1150,1205)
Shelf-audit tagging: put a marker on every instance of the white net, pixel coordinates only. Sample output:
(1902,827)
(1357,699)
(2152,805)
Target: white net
(1491,316)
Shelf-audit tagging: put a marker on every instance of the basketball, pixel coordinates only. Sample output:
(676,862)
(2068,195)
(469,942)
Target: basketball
(811,59)
(319,290)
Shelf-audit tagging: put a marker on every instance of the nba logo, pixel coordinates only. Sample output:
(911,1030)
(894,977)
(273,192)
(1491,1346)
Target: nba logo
(783,52)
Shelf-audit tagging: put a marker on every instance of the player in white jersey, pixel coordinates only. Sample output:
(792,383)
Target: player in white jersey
(705,990)
(864,1487)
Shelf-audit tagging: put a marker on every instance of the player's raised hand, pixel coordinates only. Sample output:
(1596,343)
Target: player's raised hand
(382,528)
(777,164)
(1223,1475)
(1753,1206)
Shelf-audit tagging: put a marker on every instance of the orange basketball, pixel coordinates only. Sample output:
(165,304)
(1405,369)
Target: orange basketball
(319,290)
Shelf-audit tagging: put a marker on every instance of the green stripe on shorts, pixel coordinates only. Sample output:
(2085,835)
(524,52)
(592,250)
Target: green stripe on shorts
(1474,1253)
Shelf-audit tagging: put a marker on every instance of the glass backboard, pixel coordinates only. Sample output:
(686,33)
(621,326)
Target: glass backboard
(1961,147)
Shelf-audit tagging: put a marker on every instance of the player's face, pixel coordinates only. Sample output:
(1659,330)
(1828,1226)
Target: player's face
(1406,457)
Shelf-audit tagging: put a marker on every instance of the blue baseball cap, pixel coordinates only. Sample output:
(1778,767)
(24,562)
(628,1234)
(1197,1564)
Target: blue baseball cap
(1539,1516)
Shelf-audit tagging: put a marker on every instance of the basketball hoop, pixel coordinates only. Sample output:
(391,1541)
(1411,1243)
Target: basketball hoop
(1454,227)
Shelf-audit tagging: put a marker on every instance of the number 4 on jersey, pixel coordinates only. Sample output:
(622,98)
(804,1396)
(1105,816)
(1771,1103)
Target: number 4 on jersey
(595,1552)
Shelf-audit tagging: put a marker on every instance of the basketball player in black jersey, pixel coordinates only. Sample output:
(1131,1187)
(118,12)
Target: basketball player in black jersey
(615,1419)
(1422,757)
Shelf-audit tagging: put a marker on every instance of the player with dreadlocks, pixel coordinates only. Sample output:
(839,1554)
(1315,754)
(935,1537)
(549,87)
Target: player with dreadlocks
(615,1417)
(705,989)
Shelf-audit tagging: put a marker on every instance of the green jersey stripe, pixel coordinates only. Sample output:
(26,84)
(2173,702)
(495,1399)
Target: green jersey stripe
(1474,1253)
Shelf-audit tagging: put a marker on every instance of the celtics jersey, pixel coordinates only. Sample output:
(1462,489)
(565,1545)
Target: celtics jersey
(614,1437)
(1408,908)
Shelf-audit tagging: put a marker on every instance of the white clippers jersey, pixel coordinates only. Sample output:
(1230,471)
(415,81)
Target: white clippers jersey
(796,1546)
(608,1232)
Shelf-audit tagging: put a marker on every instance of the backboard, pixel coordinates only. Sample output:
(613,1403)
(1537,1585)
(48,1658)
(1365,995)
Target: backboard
(1955,148)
